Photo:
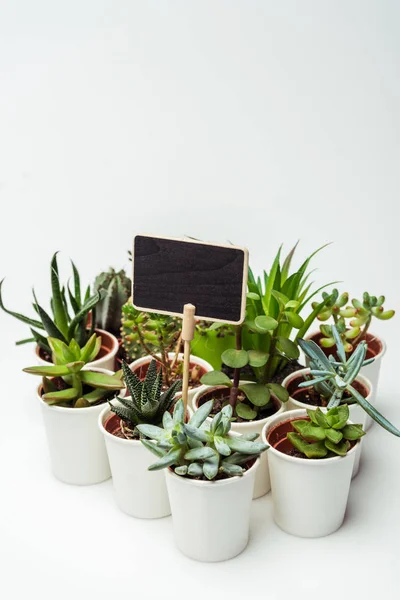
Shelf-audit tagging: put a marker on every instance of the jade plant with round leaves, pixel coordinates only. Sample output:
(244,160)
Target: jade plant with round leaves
(333,378)
(82,388)
(199,449)
(351,321)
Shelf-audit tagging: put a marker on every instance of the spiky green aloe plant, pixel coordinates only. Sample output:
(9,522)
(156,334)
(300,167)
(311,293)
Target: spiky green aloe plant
(68,322)
(82,388)
(116,287)
(199,449)
(333,378)
(146,402)
(352,322)
(325,434)
(273,312)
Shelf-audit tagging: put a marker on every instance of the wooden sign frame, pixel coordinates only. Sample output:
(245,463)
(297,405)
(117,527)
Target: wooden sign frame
(198,316)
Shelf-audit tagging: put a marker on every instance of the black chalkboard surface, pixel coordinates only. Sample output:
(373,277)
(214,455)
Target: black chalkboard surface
(169,273)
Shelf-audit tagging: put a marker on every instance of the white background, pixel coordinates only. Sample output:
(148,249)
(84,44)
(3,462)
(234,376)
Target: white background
(257,122)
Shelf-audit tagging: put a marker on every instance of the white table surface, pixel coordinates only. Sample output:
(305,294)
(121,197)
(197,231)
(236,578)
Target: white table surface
(253,121)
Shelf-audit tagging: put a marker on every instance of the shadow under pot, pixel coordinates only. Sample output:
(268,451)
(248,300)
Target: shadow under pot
(220,395)
(104,360)
(376,350)
(308,398)
(139,492)
(211,519)
(77,451)
(309,496)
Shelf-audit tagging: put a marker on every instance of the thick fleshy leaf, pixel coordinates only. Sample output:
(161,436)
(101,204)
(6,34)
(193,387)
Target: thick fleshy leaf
(151,431)
(169,459)
(279,391)
(294,319)
(265,323)
(340,449)
(308,431)
(60,315)
(257,358)
(257,393)
(211,467)
(195,469)
(221,446)
(202,453)
(101,380)
(315,450)
(201,414)
(245,411)
(334,435)
(216,378)
(373,413)
(238,444)
(48,370)
(289,348)
(196,433)
(60,396)
(353,432)
(236,359)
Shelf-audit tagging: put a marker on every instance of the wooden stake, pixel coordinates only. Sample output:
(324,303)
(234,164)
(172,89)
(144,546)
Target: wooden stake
(188,324)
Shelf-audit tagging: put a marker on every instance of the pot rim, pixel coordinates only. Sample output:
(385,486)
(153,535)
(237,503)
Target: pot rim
(194,359)
(105,413)
(312,462)
(360,378)
(70,409)
(380,354)
(110,354)
(260,422)
(206,484)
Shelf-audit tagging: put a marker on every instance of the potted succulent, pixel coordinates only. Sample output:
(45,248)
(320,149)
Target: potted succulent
(252,403)
(336,381)
(71,396)
(62,325)
(210,478)
(311,455)
(148,336)
(138,492)
(353,324)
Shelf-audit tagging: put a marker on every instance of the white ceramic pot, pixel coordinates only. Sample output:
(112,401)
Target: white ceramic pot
(309,496)
(371,372)
(193,359)
(109,351)
(211,519)
(262,484)
(357,414)
(139,492)
(77,451)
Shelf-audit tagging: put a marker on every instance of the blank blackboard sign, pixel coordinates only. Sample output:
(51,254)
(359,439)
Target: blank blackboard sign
(169,273)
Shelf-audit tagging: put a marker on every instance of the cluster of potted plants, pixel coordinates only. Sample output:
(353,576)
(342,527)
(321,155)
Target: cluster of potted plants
(257,419)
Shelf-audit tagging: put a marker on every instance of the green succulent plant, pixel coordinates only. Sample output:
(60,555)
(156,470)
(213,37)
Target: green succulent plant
(211,340)
(147,402)
(69,321)
(273,313)
(199,449)
(352,321)
(150,333)
(257,395)
(325,434)
(82,388)
(333,378)
(116,288)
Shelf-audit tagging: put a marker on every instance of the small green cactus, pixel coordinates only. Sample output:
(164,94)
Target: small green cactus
(116,287)
(149,333)
(146,402)
(360,313)
(325,434)
(199,449)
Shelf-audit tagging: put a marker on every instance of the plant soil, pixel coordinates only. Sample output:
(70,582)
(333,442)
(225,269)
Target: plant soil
(312,397)
(221,399)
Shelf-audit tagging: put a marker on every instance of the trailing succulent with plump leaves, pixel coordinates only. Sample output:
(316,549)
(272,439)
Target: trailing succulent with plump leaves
(116,287)
(352,321)
(150,333)
(325,434)
(83,388)
(272,313)
(68,322)
(333,378)
(197,449)
(146,402)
